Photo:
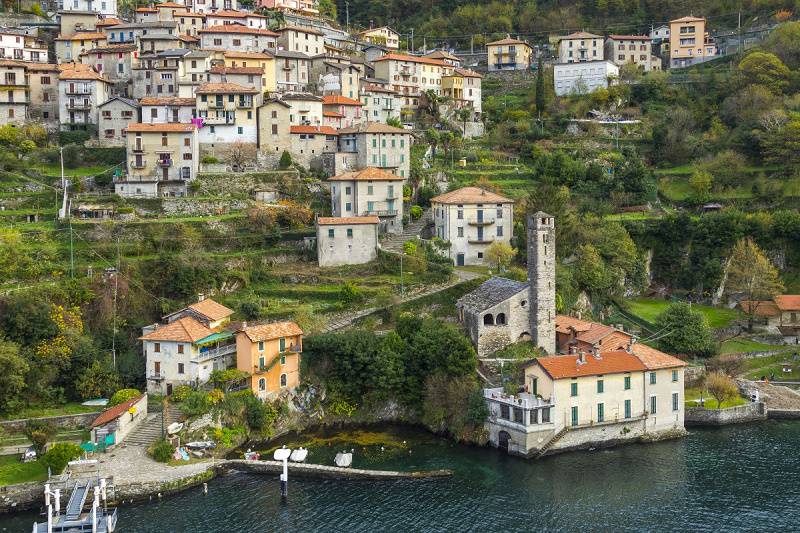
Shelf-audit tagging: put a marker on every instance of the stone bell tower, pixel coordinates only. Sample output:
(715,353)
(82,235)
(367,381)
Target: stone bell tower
(542,278)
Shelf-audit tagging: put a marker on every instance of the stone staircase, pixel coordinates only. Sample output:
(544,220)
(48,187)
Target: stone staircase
(394,242)
(149,431)
(552,441)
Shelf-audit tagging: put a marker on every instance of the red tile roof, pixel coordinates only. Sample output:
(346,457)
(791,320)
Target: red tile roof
(332,114)
(167,100)
(339,100)
(760,308)
(237,28)
(611,362)
(507,40)
(629,37)
(342,221)
(318,130)
(788,302)
(470,195)
(211,309)
(232,14)
(186,329)
(565,322)
(219,69)
(226,88)
(276,330)
(115,412)
(412,59)
(654,359)
(367,174)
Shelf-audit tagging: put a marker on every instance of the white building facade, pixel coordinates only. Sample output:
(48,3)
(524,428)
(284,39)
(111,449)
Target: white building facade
(584,77)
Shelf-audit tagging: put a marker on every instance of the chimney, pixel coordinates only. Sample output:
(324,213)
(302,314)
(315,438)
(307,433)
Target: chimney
(572,350)
(581,357)
(201,297)
(244,324)
(596,353)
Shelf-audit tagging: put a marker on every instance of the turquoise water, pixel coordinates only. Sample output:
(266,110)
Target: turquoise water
(739,478)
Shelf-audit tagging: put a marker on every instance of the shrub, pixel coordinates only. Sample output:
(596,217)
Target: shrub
(39,432)
(181,392)
(416,212)
(286,160)
(72,156)
(73,137)
(196,403)
(162,451)
(209,160)
(122,396)
(59,455)
(350,293)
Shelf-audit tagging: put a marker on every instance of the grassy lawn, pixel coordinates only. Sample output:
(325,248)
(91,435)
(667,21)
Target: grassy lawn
(674,185)
(773,364)
(54,169)
(648,309)
(13,471)
(692,397)
(746,346)
(72,408)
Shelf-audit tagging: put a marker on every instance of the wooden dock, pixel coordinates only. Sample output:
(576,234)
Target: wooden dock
(328,472)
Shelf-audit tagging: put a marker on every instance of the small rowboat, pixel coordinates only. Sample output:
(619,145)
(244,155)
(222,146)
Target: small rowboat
(174,428)
(201,445)
(299,455)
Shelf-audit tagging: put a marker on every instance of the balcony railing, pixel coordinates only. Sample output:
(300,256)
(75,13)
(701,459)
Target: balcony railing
(391,196)
(526,401)
(480,240)
(213,353)
(381,213)
(138,148)
(78,90)
(292,348)
(165,163)
(156,376)
(139,164)
(82,106)
(480,221)
(216,121)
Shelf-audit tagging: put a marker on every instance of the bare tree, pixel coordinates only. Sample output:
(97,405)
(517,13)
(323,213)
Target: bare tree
(240,154)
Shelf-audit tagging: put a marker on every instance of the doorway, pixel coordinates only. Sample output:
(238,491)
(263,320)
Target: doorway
(460,260)
(503,438)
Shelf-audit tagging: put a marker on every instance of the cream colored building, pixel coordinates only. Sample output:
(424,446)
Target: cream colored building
(380,104)
(237,37)
(70,47)
(80,91)
(509,54)
(383,36)
(472,219)
(410,76)
(372,144)
(689,42)
(580,46)
(596,399)
(14,93)
(347,240)
(263,60)
(292,70)
(161,160)
(632,49)
(43,94)
(228,111)
(371,192)
(464,87)
(301,39)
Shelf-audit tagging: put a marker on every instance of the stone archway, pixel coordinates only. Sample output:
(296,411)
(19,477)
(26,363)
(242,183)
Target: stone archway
(503,439)
(524,336)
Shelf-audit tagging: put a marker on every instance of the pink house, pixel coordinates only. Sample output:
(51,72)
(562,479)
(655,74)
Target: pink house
(341,110)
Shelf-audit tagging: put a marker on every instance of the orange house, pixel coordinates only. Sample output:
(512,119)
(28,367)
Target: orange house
(270,353)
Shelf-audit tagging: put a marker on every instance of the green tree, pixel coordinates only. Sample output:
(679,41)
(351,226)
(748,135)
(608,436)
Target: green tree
(286,160)
(591,269)
(684,331)
(394,122)
(784,41)
(96,381)
(765,69)
(327,8)
(541,101)
(432,138)
(59,455)
(12,379)
(39,433)
(122,396)
(721,387)
(751,273)
(700,183)
(500,254)
(782,146)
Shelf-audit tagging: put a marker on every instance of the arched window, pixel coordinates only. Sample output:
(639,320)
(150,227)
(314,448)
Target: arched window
(262,384)
(523,303)
(488,320)
(501,319)
(283,380)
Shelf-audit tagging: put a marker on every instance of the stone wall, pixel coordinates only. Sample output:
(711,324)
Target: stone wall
(66,421)
(240,183)
(21,497)
(700,416)
(605,435)
(200,207)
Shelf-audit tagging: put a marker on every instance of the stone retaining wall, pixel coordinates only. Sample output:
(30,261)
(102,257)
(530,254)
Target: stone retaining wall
(700,416)
(606,435)
(66,421)
(783,414)
(330,472)
(21,497)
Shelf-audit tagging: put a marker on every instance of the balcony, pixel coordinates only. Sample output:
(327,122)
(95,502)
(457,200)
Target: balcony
(480,221)
(78,90)
(213,353)
(381,213)
(480,240)
(292,348)
(526,401)
(165,163)
(139,164)
(79,106)
(138,148)
(217,121)
(392,196)
(156,376)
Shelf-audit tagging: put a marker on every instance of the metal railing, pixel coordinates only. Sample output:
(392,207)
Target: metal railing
(212,353)
(480,221)
(381,213)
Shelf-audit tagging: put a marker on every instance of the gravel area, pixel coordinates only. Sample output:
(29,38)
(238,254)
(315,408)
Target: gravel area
(131,464)
(777,396)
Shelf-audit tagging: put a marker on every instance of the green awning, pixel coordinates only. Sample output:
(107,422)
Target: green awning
(214,337)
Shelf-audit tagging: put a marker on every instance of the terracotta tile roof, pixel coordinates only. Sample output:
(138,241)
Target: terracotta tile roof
(110,21)
(146,10)
(237,28)
(760,307)
(236,70)
(248,55)
(611,362)
(442,54)
(110,49)
(339,100)
(467,73)
(169,4)
(83,36)
(193,14)
(227,88)
(115,412)
(412,59)
(371,87)
(320,130)
(470,195)
(687,19)
(332,114)
(595,334)
(276,330)
(81,74)
(507,40)
(654,359)
(341,221)
(141,127)
(374,127)
(12,63)
(167,100)
(788,302)
(211,309)
(186,329)
(629,37)
(48,67)
(565,322)
(580,35)
(230,13)
(312,31)
(367,174)
(185,37)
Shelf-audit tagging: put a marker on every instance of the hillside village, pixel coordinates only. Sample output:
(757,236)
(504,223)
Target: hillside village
(246,219)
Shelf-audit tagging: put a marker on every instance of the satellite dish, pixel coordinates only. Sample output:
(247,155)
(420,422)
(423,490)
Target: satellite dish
(282,454)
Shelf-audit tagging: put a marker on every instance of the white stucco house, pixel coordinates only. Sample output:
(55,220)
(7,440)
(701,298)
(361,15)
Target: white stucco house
(584,77)
(347,240)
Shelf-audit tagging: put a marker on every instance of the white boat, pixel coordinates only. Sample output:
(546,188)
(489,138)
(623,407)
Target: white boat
(174,428)
(343,459)
(201,444)
(299,455)
(99,402)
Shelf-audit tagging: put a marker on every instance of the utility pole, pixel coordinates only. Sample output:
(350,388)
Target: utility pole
(71,253)
(412,40)
(472,44)
(424,45)
(402,288)
(347,14)
(114,325)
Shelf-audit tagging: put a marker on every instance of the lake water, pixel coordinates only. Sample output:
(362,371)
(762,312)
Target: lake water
(743,478)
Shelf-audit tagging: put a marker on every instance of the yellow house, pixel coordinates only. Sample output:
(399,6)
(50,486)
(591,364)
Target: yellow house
(689,42)
(270,354)
(383,36)
(509,54)
(235,58)
(70,47)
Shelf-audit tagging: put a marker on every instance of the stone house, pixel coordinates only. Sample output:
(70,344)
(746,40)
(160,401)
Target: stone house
(193,342)
(274,134)
(115,61)
(264,60)
(115,423)
(237,37)
(369,192)
(508,54)
(372,144)
(472,219)
(161,160)
(347,240)
(335,75)
(306,108)
(292,71)
(581,46)
(781,314)
(301,39)
(270,354)
(163,109)
(43,94)
(309,144)
(80,91)
(193,72)
(157,73)
(115,115)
